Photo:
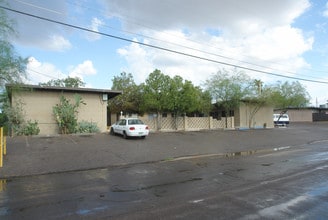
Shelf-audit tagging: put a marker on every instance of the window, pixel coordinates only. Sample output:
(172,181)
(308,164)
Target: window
(135,122)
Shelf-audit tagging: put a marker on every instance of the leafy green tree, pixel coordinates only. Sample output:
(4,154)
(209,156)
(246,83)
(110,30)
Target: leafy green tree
(229,88)
(162,93)
(204,101)
(193,100)
(280,95)
(72,82)
(12,66)
(288,94)
(175,103)
(156,94)
(130,100)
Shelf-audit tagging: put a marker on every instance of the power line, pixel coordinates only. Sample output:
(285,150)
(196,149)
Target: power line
(158,47)
(133,21)
(38,7)
(37,72)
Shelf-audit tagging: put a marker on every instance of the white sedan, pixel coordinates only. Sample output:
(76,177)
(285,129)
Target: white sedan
(130,127)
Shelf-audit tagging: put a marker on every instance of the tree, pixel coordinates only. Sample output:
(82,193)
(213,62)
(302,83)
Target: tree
(280,95)
(72,82)
(193,100)
(130,100)
(229,88)
(156,94)
(175,103)
(258,84)
(256,101)
(284,95)
(12,66)
(204,101)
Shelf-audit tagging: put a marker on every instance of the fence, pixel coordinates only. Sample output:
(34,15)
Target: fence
(320,116)
(3,147)
(187,123)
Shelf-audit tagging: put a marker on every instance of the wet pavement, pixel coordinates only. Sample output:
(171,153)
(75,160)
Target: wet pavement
(276,173)
(288,183)
(54,154)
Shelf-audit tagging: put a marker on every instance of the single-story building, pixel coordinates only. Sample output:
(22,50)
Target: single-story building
(306,114)
(38,103)
(251,115)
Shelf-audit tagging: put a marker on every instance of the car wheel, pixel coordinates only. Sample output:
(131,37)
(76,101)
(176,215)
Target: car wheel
(143,137)
(112,131)
(124,135)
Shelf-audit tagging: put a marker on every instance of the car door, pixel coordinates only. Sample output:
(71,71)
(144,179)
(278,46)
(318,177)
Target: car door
(121,126)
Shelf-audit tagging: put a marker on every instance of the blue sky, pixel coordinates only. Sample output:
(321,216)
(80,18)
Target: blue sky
(285,37)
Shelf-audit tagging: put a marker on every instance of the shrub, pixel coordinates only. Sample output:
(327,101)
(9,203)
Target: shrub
(15,116)
(66,114)
(31,128)
(87,127)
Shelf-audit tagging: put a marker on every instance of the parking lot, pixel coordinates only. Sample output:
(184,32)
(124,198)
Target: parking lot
(52,154)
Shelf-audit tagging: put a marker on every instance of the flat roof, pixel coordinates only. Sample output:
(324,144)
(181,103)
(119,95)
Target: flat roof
(111,93)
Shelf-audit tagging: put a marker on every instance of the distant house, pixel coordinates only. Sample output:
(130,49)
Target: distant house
(308,114)
(38,103)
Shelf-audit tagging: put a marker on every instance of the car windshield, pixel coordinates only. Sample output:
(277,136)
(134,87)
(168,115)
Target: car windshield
(122,122)
(135,122)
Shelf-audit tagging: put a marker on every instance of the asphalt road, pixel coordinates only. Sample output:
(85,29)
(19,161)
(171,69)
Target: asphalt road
(288,182)
(28,156)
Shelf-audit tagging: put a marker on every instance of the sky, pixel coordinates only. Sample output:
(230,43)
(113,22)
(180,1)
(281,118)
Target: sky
(281,40)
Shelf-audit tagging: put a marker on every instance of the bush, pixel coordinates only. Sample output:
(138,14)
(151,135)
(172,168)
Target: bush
(87,127)
(66,114)
(29,128)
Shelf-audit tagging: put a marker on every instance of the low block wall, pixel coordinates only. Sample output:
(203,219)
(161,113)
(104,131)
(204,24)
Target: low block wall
(187,123)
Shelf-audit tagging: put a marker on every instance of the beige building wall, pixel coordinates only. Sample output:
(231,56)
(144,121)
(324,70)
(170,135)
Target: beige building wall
(38,106)
(299,115)
(262,118)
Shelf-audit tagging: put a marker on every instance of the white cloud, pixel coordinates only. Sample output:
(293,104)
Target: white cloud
(84,69)
(279,48)
(139,61)
(319,93)
(221,14)
(246,33)
(95,24)
(41,72)
(37,32)
(57,43)
(325,13)
(253,32)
